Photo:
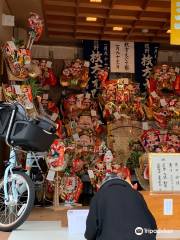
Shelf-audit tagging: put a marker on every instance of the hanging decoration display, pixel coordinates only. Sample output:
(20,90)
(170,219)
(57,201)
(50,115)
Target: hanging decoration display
(146,55)
(70,188)
(122,57)
(35,29)
(46,75)
(97,53)
(17,60)
(75,75)
(163,97)
(83,117)
(18,56)
(120,99)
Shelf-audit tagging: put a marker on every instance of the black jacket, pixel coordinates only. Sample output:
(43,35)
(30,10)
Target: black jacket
(116,211)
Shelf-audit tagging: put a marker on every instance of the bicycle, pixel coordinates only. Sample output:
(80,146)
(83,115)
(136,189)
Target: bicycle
(28,135)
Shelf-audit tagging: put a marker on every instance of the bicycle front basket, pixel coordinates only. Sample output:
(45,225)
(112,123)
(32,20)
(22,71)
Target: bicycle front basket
(5,114)
(31,137)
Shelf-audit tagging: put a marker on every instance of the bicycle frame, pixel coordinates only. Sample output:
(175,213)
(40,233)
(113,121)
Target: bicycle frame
(30,159)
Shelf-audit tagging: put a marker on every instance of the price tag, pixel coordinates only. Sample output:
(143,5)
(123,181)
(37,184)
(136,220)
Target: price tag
(88,95)
(76,137)
(120,81)
(86,64)
(90,173)
(45,96)
(93,113)
(126,81)
(51,175)
(145,125)
(49,64)
(54,117)
(163,102)
(17,89)
(117,115)
(154,94)
(85,149)
(12,45)
(177,69)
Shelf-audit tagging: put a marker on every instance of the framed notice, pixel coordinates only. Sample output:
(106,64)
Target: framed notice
(164,172)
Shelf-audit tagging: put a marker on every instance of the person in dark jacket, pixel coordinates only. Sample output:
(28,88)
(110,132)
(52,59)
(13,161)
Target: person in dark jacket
(118,212)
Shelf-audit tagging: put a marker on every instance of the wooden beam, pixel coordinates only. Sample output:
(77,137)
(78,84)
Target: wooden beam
(144,6)
(151,27)
(162,1)
(107,17)
(158,9)
(45,17)
(154,19)
(58,22)
(123,25)
(73,4)
(118,6)
(58,13)
(122,17)
(88,31)
(115,33)
(59,3)
(60,36)
(90,24)
(88,37)
(54,29)
(76,18)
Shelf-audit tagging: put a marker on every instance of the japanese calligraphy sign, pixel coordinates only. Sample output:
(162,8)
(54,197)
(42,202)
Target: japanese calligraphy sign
(122,57)
(175,22)
(145,58)
(164,172)
(97,53)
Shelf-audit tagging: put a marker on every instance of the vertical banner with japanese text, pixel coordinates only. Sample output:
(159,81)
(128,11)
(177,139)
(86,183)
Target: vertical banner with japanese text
(122,57)
(146,55)
(175,22)
(97,53)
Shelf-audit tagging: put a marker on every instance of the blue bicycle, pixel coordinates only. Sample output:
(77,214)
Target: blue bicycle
(20,133)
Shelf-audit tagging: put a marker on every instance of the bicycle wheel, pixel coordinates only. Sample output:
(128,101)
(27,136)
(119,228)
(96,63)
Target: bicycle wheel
(13,214)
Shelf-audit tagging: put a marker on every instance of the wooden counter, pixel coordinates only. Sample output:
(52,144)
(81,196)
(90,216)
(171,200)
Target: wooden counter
(156,205)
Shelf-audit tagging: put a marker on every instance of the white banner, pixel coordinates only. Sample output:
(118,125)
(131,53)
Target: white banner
(122,57)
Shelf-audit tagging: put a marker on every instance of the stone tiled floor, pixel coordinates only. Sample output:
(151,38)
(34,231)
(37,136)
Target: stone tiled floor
(54,217)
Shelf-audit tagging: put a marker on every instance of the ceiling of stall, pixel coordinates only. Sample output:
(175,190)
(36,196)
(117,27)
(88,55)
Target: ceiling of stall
(140,20)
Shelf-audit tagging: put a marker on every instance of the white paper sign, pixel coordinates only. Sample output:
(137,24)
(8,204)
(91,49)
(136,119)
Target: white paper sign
(168,206)
(17,89)
(88,95)
(54,117)
(117,115)
(177,69)
(49,64)
(163,102)
(93,113)
(45,96)
(76,137)
(145,125)
(91,174)
(122,57)
(154,94)
(8,20)
(164,172)
(86,64)
(77,221)
(51,175)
